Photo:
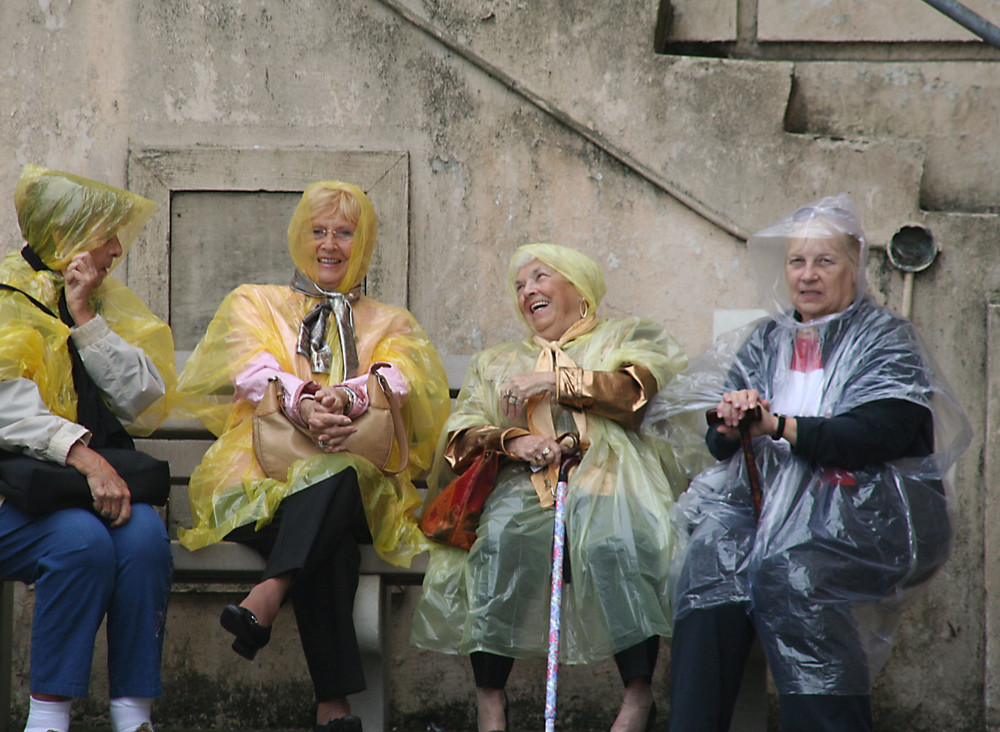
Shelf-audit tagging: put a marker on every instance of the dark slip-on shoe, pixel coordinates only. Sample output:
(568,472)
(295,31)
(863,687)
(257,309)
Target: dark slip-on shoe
(251,636)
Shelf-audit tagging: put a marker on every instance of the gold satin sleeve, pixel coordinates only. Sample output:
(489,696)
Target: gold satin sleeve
(465,445)
(620,395)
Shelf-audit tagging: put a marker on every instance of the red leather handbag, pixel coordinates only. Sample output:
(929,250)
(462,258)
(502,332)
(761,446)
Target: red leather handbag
(453,516)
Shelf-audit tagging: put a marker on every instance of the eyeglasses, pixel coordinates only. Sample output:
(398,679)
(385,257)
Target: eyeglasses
(339,235)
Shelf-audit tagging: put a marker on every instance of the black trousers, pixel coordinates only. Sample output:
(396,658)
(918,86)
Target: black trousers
(707,657)
(639,661)
(314,538)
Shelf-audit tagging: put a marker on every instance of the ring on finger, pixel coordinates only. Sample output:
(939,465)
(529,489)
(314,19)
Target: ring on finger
(546,452)
(512,399)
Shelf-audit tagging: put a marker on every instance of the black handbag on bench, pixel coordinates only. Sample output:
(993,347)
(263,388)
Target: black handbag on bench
(39,486)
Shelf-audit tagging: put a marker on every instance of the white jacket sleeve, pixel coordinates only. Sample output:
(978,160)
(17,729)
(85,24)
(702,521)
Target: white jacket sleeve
(124,373)
(27,425)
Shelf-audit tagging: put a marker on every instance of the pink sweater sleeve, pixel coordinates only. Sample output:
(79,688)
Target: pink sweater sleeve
(252,383)
(359,385)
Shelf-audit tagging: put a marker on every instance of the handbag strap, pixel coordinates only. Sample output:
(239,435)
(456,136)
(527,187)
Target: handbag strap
(397,421)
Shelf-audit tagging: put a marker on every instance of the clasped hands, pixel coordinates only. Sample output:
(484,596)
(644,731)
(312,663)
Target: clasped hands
(325,416)
(735,405)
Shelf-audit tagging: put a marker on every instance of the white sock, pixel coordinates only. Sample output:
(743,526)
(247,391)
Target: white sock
(128,713)
(48,715)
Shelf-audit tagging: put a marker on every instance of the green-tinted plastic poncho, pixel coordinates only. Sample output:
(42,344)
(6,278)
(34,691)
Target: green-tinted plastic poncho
(62,215)
(229,488)
(840,549)
(495,598)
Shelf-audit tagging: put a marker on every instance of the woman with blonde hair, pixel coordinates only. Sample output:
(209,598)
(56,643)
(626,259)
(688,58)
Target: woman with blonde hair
(319,337)
(592,376)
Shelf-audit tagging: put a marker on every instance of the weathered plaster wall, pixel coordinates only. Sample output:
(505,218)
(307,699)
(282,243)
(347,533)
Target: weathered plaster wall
(861,20)
(532,122)
(953,108)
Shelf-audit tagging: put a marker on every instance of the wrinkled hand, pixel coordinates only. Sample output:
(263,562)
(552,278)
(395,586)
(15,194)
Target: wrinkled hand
(330,427)
(734,407)
(112,498)
(333,398)
(82,278)
(536,450)
(515,393)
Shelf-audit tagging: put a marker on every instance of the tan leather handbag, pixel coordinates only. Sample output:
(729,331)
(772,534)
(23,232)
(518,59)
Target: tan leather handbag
(278,442)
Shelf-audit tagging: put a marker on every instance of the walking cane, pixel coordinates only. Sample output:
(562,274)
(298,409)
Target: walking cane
(753,477)
(555,599)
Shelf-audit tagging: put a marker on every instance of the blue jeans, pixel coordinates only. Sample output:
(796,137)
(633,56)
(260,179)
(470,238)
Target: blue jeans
(83,571)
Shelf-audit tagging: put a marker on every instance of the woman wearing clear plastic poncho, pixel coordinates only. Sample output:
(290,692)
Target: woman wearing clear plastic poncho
(856,433)
(80,355)
(319,337)
(575,373)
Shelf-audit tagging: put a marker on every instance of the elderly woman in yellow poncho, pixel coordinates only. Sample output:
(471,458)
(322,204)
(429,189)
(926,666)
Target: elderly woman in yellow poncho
(319,337)
(81,360)
(578,373)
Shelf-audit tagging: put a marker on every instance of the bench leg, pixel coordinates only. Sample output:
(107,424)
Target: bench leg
(369,618)
(6,651)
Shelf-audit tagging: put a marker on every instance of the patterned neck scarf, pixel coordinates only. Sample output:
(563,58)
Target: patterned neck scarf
(312,332)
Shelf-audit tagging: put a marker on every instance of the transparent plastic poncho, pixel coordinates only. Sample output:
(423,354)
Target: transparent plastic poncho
(229,489)
(837,554)
(619,543)
(62,215)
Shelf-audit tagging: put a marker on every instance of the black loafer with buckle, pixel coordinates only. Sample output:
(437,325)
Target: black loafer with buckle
(251,636)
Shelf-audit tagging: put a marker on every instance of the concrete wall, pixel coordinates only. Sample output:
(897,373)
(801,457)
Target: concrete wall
(557,122)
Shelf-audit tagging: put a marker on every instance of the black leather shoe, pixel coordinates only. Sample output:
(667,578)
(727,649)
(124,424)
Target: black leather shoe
(251,636)
(350,723)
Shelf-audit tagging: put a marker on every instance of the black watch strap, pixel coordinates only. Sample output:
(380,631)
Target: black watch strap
(779,431)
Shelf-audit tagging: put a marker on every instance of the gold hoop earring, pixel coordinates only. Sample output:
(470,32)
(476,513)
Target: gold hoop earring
(584,308)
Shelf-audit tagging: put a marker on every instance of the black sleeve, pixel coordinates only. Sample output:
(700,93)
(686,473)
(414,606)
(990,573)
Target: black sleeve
(875,432)
(872,433)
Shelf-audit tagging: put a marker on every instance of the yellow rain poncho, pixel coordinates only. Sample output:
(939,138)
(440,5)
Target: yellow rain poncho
(619,544)
(229,488)
(62,215)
